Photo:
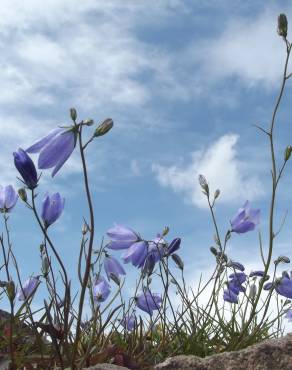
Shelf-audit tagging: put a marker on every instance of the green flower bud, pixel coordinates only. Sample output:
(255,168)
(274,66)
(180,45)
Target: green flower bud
(22,194)
(11,292)
(88,122)
(214,251)
(73,114)
(288,151)
(282,25)
(165,231)
(104,127)
(204,185)
(216,194)
(178,261)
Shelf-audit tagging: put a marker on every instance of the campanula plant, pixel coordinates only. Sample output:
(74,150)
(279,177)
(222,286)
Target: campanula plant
(108,319)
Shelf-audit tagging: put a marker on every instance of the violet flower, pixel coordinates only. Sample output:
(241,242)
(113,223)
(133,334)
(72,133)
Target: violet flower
(112,266)
(236,265)
(121,237)
(55,148)
(52,208)
(238,277)
(8,198)
(129,322)
(173,246)
(28,288)
(26,168)
(284,287)
(148,301)
(156,248)
(230,296)
(246,219)
(101,289)
(136,254)
(259,273)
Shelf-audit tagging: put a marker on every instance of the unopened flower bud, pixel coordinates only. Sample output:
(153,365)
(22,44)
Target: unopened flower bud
(204,185)
(288,151)
(282,259)
(282,25)
(252,291)
(115,278)
(178,261)
(88,122)
(165,231)
(216,194)
(11,292)
(73,114)
(214,251)
(104,127)
(84,229)
(45,266)
(22,194)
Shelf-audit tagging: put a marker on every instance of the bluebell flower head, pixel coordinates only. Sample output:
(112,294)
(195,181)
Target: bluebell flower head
(230,296)
(28,288)
(121,237)
(136,254)
(156,248)
(52,208)
(174,246)
(26,168)
(236,265)
(246,219)
(148,302)
(101,289)
(284,287)
(238,277)
(55,148)
(112,266)
(129,322)
(8,198)
(259,273)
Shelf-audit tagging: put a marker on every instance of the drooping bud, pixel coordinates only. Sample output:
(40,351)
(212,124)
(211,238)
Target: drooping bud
(282,25)
(88,122)
(73,114)
(115,278)
(178,261)
(204,185)
(22,194)
(104,127)
(288,151)
(282,259)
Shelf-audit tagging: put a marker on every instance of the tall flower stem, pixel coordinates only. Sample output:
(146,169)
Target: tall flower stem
(275,180)
(90,247)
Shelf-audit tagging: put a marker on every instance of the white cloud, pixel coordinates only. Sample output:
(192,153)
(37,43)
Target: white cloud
(219,163)
(248,49)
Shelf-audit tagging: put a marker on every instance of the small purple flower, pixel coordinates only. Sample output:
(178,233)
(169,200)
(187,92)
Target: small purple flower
(28,288)
(55,148)
(52,208)
(230,296)
(173,246)
(101,289)
(8,198)
(148,301)
(246,219)
(259,273)
(236,265)
(284,287)
(268,286)
(238,277)
(288,315)
(129,322)
(26,168)
(136,254)
(156,248)
(112,266)
(121,237)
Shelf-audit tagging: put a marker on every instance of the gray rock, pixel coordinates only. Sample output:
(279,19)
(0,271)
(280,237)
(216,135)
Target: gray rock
(106,367)
(273,354)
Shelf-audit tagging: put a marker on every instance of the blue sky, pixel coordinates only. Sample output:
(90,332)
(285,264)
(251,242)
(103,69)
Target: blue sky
(184,82)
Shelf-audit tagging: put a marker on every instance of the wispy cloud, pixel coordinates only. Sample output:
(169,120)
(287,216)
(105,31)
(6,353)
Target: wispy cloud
(220,164)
